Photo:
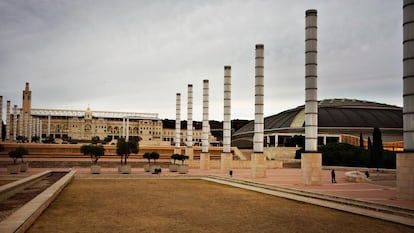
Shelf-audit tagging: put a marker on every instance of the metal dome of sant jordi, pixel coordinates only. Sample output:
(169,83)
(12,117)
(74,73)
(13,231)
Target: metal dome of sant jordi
(337,118)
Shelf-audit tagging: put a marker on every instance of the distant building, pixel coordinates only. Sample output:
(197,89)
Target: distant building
(82,125)
(339,120)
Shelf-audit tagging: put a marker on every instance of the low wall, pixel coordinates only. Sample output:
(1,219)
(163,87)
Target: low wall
(73,150)
(280,153)
(236,164)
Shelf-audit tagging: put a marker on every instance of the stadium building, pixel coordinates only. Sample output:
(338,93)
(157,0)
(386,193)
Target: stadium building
(339,120)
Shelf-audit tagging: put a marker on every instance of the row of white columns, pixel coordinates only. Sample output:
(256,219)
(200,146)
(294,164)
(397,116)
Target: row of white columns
(125,128)
(27,125)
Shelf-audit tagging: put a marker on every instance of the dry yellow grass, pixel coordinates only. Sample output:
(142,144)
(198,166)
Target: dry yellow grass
(190,206)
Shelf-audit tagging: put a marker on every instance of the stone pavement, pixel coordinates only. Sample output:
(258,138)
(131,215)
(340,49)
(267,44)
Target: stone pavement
(382,192)
(377,192)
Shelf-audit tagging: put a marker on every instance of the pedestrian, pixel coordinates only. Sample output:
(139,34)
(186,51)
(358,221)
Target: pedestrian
(333,176)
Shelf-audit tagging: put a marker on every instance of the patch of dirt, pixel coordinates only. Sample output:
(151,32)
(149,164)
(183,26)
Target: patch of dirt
(190,206)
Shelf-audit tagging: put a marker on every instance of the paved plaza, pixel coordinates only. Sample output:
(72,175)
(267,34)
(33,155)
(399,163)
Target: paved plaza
(382,192)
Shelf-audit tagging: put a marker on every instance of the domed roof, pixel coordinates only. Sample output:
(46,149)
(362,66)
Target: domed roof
(335,113)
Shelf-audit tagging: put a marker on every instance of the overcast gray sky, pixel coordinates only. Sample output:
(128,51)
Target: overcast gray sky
(136,55)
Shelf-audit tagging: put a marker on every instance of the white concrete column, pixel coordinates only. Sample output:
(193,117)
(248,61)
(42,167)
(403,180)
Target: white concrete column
(259,100)
(189,149)
(408,75)
(177,149)
(8,121)
(227,110)
(20,123)
(405,161)
(227,156)
(48,125)
(258,166)
(311,162)
(33,127)
(205,155)
(127,129)
(25,125)
(311,88)
(123,127)
(14,122)
(29,126)
(41,129)
(206,127)
(38,130)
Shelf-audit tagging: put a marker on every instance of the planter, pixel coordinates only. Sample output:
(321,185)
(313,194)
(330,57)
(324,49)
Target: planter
(95,169)
(124,169)
(173,167)
(183,169)
(13,168)
(153,167)
(24,166)
(147,167)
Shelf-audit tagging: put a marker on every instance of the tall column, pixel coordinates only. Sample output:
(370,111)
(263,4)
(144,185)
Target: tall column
(40,129)
(14,122)
(26,125)
(177,149)
(189,148)
(227,156)
(8,121)
(258,168)
(20,123)
(311,162)
(29,127)
(205,155)
(48,125)
(127,130)
(1,118)
(123,127)
(405,161)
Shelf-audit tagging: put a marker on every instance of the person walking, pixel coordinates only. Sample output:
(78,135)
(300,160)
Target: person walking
(333,176)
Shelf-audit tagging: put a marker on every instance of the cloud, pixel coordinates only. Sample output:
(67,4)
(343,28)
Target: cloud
(135,55)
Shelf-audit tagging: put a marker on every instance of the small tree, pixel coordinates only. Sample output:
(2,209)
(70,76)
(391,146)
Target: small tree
(19,152)
(182,158)
(124,149)
(147,155)
(377,147)
(95,151)
(155,155)
(361,141)
(175,157)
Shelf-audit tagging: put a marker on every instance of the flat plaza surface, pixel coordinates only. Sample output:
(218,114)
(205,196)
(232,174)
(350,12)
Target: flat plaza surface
(171,205)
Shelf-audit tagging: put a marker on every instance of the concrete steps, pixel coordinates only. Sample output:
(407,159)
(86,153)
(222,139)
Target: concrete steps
(386,212)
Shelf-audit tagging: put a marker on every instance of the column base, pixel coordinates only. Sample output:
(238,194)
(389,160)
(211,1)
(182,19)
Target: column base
(311,167)
(226,160)
(177,150)
(204,161)
(405,176)
(258,166)
(189,151)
